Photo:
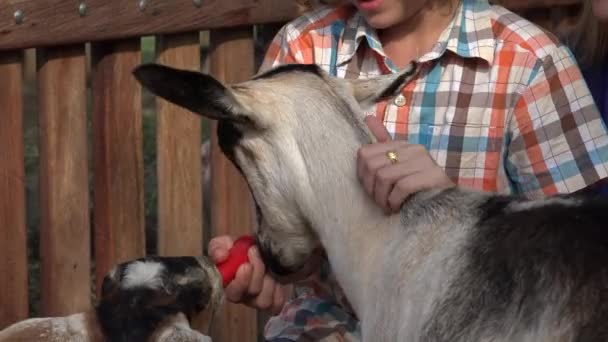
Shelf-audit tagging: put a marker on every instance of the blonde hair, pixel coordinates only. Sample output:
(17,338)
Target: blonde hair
(590,37)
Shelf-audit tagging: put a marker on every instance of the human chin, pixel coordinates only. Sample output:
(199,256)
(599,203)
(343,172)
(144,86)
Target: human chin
(380,21)
(600,9)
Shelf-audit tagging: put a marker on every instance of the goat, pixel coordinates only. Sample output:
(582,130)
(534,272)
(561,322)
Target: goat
(151,299)
(454,265)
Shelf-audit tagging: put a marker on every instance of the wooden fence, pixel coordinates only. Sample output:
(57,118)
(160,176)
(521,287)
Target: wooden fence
(69,247)
(72,80)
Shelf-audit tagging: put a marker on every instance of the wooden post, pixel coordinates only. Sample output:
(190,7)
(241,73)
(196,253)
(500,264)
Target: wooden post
(117,130)
(180,192)
(232,60)
(64,192)
(180,207)
(13,245)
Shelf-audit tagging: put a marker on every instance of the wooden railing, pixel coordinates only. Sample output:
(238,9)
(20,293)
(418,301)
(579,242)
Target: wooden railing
(85,53)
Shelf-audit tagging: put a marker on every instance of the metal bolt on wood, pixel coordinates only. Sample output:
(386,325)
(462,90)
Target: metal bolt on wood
(142,5)
(198,3)
(82,9)
(19,16)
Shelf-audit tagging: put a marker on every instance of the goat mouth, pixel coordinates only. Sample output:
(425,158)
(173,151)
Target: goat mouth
(289,274)
(273,263)
(269,260)
(281,273)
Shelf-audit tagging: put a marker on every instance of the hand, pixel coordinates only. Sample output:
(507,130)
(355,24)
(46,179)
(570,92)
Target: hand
(251,285)
(390,184)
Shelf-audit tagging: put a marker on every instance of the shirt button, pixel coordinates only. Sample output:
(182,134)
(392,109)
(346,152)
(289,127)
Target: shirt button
(400,100)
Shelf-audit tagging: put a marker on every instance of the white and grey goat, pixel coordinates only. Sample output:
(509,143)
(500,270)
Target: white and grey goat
(454,265)
(152,299)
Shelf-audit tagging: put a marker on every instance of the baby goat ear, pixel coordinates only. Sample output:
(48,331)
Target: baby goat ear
(111,283)
(195,91)
(371,90)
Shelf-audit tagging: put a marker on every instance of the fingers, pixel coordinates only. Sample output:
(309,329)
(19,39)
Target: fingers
(388,177)
(249,276)
(271,298)
(382,148)
(251,285)
(403,189)
(279,297)
(264,299)
(377,128)
(385,180)
(259,270)
(367,168)
(237,289)
(425,178)
(371,158)
(414,171)
(249,279)
(219,248)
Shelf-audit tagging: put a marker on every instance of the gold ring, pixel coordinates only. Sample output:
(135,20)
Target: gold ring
(392,156)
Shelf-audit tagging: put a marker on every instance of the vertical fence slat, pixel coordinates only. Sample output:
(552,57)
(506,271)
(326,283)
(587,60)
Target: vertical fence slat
(179,170)
(118,155)
(179,158)
(13,245)
(64,194)
(232,60)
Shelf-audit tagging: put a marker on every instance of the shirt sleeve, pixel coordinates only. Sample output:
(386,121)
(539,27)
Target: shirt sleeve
(558,141)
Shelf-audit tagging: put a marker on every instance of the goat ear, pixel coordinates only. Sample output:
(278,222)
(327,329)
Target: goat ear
(111,283)
(195,91)
(371,90)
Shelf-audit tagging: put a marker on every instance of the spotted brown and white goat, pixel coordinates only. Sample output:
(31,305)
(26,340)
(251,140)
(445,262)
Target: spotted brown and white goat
(454,265)
(152,299)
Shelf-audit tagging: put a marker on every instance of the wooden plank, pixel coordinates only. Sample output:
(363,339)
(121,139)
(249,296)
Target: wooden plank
(232,58)
(179,169)
(56,22)
(64,187)
(180,229)
(118,155)
(520,5)
(13,244)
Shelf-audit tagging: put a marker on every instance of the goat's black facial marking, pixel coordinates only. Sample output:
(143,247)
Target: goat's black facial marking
(308,68)
(392,89)
(176,265)
(228,137)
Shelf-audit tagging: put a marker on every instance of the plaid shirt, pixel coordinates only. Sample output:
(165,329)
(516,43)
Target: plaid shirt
(499,104)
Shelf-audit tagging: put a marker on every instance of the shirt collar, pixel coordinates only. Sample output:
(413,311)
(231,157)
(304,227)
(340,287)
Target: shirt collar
(468,35)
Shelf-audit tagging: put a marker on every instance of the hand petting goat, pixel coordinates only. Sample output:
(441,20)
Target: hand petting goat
(393,170)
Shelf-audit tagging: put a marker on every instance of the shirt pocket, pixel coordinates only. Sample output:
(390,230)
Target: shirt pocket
(470,146)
